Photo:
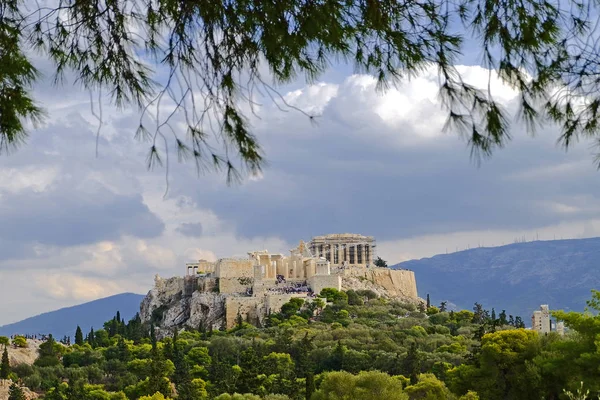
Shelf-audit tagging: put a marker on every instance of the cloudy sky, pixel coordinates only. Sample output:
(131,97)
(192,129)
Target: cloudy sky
(76,227)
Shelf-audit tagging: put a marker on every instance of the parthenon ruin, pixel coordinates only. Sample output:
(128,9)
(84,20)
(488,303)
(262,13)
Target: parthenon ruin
(343,249)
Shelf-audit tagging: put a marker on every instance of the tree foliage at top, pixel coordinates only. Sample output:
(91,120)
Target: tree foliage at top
(199,62)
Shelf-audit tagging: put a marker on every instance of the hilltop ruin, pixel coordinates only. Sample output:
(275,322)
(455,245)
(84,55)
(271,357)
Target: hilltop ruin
(212,294)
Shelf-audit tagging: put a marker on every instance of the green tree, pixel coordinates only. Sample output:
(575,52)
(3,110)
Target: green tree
(333,295)
(443,306)
(478,314)
(49,353)
(157,381)
(91,338)
(78,336)
(20,341)
(367,385)
(428,301)
(432,310)
(182,377)
(502,320)
(250,379)
(292,307)
(4,340)
(519,322)
(504,367)
(15,392)
(305,366)
(411,366)
(428,387)
(5,365)
(381,263)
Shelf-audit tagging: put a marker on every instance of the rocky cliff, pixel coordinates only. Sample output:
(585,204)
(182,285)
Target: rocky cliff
(197,303)
(169,305)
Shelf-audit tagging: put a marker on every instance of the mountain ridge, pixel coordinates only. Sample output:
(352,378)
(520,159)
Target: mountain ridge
(517,277)
(64,321)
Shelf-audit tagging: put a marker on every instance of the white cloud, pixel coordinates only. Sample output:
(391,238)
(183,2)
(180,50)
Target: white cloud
(30,177)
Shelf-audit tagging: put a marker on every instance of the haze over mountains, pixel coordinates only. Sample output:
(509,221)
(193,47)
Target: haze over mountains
(516,277)
(64,321)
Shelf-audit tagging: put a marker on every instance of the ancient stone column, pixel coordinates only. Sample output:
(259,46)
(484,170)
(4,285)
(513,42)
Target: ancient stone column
(268,267)
(364,254)
(340,254)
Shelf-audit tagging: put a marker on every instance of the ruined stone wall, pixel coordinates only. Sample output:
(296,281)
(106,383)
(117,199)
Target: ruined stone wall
(235,284)
(274,302)
(250,308)
(208,284)
(320,282)
(254,309)
(233,268)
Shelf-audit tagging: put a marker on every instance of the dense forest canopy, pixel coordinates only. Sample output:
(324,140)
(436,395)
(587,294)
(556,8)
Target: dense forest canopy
(203,62)
(356,347)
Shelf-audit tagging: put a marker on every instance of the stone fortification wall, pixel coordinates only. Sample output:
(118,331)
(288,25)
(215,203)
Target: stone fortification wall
(235,284)
(274,302)
(207,284)
(320,282)
(395,283)
(250,308)
(254,309)
(234,268)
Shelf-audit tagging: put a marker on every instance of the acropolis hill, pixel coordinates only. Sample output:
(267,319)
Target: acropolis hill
(213,294)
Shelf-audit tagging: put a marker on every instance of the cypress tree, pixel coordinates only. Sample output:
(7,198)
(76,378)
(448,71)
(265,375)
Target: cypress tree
(91,339)
(156,381)
(5,365)
(78,336)
(16,393)
(428,301)
(502,318)
(304,365)
(182,377)
(412,364)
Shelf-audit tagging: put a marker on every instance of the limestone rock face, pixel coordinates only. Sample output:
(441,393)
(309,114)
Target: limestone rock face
(172,303)
(383,281)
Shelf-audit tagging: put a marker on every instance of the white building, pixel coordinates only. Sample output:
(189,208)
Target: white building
(541,322)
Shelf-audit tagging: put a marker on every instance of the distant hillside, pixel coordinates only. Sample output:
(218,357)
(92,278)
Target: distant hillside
(64,321)
(517,277)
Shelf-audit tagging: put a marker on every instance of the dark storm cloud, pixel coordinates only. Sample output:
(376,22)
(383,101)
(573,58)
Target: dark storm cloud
(66,218)
(190,229)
